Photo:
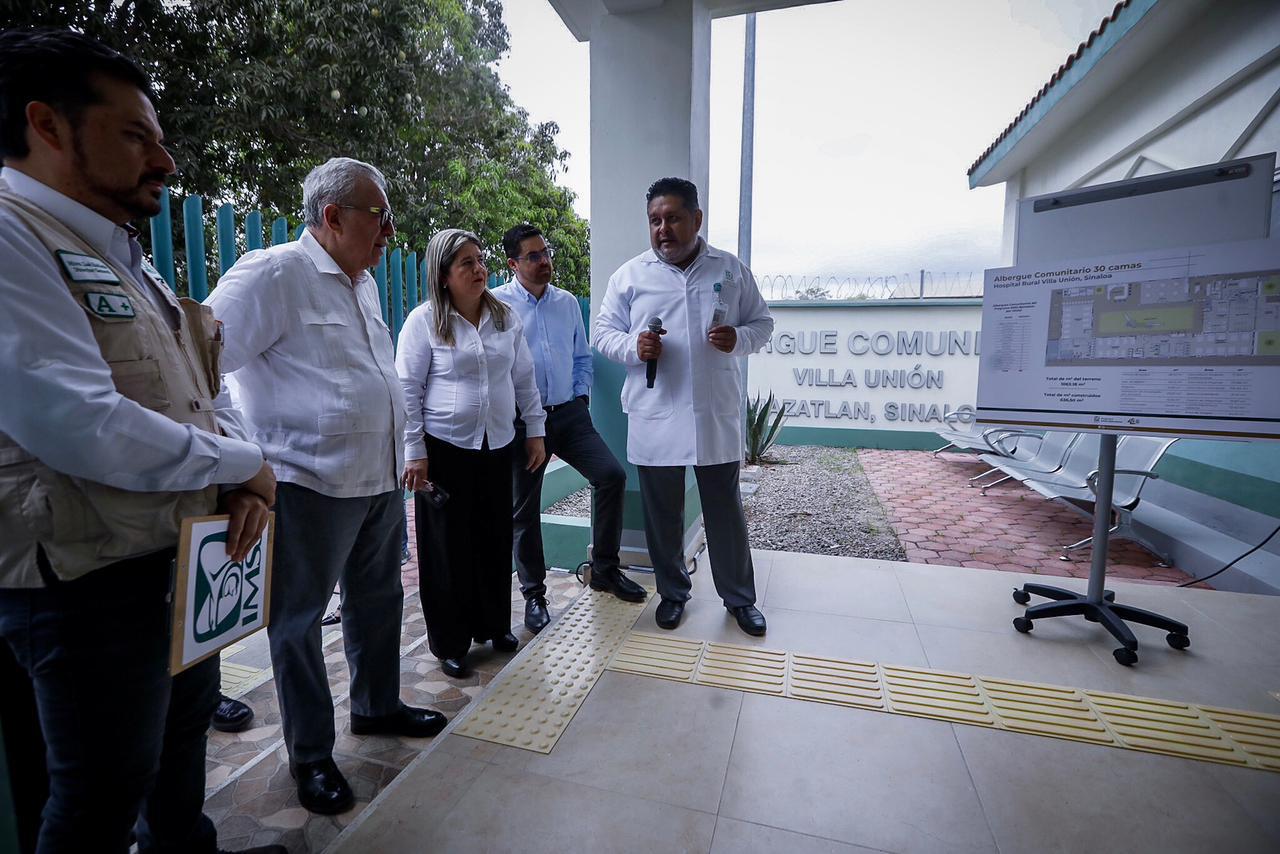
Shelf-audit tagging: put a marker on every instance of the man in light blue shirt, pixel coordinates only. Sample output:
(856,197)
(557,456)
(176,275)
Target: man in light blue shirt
(557,338)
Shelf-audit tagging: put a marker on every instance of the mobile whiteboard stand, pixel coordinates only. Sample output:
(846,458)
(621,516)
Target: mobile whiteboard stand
(1209,204)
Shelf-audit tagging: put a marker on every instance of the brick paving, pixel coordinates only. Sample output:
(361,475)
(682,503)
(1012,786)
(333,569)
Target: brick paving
(939,519)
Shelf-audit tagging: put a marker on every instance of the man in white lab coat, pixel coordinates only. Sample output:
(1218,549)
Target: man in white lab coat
(713,313)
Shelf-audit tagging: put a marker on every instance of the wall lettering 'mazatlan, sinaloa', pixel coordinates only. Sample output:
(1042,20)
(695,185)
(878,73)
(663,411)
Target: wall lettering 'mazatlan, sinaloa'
(883,367)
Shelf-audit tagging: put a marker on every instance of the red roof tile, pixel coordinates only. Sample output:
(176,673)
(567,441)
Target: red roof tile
(1057,75)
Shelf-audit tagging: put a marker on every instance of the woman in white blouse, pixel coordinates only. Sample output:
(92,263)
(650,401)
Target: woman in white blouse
(465,369)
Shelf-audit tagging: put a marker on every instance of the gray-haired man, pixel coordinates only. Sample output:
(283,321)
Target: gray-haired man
(313,366)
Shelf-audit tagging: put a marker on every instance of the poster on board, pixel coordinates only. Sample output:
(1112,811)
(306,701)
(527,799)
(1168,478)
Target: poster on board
(1179,342)
(216,601)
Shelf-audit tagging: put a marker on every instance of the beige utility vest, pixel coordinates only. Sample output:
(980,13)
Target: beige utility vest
(81,524)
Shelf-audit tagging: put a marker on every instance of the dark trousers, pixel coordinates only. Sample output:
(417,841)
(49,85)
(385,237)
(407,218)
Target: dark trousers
(662,494)
(573,438)
(125,741)
(28,778)
(320,541)
(464,548)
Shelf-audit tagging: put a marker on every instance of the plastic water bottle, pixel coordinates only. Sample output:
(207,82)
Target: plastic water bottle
(720,311)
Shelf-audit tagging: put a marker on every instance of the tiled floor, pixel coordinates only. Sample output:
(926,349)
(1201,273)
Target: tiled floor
(649,765)
(940,519)
(251,797)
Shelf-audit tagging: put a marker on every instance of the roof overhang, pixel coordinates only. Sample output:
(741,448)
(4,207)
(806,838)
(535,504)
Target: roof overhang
(579,15)
(1130,37)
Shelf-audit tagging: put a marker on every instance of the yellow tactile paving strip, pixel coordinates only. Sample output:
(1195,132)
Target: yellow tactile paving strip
(1227,736)
(532,703)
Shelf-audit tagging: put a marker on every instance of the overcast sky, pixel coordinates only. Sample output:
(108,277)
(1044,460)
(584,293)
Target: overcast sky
(867,116)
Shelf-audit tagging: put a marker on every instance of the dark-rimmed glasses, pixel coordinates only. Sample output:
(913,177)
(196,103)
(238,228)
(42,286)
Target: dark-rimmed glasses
(538,256)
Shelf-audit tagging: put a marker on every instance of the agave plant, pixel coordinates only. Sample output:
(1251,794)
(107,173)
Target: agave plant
(760,433)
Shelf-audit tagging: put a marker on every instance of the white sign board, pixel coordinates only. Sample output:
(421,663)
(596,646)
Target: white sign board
(1181,342)
(874,367)
(216,600)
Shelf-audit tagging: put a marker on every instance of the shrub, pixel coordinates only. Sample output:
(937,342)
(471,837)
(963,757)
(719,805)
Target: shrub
(760,433)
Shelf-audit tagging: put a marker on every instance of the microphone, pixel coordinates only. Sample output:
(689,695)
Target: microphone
(651,365)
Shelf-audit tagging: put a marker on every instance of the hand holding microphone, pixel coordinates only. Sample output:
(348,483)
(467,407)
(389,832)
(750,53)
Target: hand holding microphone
(649,348)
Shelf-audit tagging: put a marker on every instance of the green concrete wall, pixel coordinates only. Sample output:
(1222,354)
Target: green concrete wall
(1243,473)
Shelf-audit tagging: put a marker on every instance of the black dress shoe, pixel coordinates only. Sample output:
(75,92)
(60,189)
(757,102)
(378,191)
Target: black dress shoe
(406,721)
(455,667)
(535,614)
(612,580)
(669,614)
(505,643)
(321,787)
(749,618)
(231,715)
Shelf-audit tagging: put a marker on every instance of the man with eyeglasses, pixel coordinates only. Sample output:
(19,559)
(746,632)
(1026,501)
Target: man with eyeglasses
(557,338)
(314,371)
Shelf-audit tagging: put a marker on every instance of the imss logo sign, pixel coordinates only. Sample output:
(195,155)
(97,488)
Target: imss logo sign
(228,594)
(217,600)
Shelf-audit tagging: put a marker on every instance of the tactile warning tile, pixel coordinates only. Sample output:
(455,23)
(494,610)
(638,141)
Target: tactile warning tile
(533,701)
(1228,736)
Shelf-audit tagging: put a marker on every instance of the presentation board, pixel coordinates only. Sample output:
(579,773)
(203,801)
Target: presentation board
(1179,342)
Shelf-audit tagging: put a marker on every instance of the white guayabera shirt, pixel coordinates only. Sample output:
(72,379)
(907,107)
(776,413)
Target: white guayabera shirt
(693,414)
(465,392)
(313,369)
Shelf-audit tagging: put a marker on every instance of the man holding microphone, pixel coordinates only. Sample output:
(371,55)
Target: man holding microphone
(690,411)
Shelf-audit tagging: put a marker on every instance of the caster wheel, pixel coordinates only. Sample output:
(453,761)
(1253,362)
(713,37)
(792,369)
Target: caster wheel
(1178,641)
(1022,597)
(1022,624)
(1126,656)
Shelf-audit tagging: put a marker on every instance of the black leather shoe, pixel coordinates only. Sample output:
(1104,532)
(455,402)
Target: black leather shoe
(406,721)
(613,581)
(455,667)
(231,715)
(321,787)
(669,614)
(749,618)
(535,614)
(505,643)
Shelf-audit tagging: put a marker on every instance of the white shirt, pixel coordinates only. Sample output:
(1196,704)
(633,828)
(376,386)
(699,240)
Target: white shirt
(693,414)
(462,393)
(313,369)
(57,398)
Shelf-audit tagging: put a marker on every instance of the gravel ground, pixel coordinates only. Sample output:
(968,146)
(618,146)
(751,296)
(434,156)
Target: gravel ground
(810,499)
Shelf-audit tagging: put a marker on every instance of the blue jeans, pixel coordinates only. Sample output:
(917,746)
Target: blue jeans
(126,741)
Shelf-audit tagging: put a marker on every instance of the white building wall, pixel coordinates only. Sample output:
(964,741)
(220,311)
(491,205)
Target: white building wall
(1190,105)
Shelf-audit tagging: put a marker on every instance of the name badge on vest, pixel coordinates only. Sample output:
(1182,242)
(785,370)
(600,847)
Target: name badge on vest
(86,268)
(109,305)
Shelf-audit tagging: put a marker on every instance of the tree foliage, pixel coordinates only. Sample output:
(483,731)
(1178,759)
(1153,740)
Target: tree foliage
(254,93)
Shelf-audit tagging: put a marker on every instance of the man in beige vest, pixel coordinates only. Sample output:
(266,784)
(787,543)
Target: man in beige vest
(113,427)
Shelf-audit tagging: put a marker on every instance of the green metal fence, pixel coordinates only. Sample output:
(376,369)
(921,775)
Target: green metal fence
(397,275)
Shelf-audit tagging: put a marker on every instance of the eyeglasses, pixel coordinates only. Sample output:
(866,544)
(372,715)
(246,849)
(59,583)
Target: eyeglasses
(385,216)
(537,257)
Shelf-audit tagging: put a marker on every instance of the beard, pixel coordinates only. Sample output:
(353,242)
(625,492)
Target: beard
(135,198)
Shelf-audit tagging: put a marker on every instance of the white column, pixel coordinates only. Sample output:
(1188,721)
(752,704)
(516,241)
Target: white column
(650,119)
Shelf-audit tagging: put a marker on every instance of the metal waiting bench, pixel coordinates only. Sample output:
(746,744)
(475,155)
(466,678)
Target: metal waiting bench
(987,440)
(1136,459)
(1050,455)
